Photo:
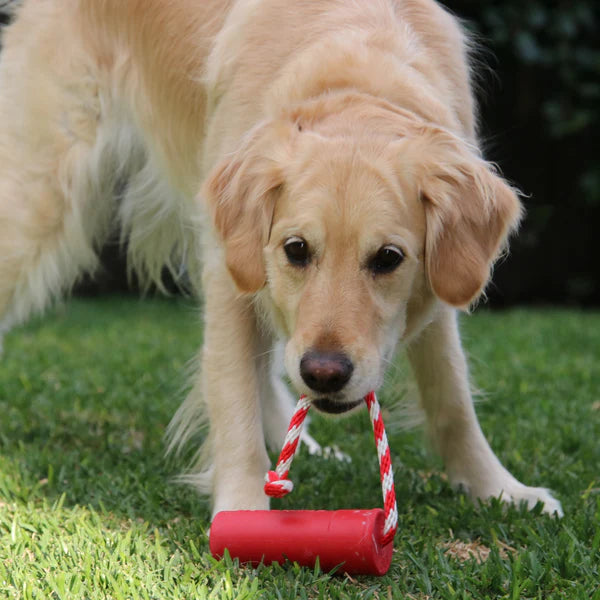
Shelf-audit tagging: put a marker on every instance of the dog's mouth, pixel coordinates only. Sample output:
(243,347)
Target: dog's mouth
(332,407)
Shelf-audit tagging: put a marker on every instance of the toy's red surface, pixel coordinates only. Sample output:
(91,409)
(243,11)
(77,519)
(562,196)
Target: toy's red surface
(350,539)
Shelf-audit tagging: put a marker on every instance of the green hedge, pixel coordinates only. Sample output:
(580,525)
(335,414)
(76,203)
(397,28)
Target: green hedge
(540,121)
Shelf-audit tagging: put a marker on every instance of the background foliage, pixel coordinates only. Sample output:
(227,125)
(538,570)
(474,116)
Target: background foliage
(540,118)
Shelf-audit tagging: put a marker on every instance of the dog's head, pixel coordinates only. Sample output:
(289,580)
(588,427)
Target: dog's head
(350,217)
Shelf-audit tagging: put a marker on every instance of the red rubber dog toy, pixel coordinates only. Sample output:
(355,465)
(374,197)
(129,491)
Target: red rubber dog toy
(358,541)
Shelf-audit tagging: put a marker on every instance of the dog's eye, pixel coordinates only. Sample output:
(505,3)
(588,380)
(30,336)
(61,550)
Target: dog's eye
(296,250)
(386,260)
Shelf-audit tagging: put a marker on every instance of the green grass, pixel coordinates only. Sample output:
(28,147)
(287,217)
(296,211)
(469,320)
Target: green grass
(87,509)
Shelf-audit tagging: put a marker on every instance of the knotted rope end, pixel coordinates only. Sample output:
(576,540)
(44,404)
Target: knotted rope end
(275,487)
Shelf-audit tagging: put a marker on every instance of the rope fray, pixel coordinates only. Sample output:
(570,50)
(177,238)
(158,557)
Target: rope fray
(278,485)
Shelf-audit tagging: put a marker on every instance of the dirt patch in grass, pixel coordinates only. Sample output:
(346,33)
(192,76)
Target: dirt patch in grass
(474,550)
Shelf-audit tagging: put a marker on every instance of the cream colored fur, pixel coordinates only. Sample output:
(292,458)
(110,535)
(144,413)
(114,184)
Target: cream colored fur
(210,134)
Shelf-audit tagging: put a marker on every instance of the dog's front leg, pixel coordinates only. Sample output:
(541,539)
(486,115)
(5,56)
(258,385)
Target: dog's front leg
(231,390)
(442,375)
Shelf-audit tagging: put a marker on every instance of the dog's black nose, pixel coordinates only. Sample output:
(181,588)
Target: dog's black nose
(325,372)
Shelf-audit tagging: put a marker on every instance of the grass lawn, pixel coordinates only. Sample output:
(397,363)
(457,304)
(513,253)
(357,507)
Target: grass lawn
(87,509)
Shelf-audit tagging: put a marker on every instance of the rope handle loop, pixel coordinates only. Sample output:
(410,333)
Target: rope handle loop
(278,485)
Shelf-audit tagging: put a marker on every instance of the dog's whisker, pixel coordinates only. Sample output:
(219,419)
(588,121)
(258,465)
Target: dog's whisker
(269,352)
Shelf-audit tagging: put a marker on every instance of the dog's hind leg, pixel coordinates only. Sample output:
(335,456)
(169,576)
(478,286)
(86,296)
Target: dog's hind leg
(50,215)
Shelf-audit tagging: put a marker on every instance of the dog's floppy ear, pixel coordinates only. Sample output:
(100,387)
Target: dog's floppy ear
(241,193)
(470,211)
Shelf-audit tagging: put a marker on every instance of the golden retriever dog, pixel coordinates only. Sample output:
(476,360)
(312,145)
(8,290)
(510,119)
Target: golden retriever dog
(311,167)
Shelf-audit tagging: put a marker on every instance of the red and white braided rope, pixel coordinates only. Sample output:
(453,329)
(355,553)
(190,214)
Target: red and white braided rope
(278,485)
(386,473)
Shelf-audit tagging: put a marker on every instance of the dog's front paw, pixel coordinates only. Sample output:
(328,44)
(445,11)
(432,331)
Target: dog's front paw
(531,496)
(508,489)
(243,495)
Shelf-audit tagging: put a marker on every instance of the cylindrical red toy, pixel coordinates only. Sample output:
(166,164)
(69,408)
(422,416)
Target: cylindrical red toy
(350,539)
